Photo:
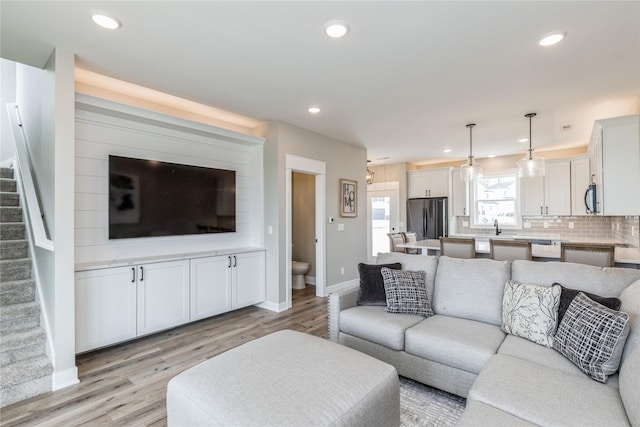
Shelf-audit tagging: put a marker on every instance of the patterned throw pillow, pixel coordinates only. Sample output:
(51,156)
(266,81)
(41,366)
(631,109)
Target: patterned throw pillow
(406,292)
(530,311)
(592,336)
(568,295)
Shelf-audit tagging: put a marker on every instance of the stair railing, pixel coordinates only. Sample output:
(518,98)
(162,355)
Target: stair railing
(24,178)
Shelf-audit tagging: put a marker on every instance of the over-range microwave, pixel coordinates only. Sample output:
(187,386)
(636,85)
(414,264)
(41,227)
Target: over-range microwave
(590,201)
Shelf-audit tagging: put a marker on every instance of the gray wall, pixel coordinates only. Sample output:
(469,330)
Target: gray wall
(343,248)
(303,225)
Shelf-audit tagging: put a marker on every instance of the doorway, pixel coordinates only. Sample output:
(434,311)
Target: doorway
(318,170)
(382,216)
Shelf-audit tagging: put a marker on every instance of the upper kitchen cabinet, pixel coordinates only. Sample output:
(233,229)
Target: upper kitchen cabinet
(614,153)
(580,180)
(428,183)
(460,194)
(550,194)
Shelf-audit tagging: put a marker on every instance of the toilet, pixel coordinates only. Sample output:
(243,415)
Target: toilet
(298,270)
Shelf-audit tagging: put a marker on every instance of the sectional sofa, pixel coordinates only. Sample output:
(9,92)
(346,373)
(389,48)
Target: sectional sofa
(507,378)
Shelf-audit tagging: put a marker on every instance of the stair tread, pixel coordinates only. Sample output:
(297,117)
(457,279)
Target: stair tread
(15,283)
(12,340)
(8,311)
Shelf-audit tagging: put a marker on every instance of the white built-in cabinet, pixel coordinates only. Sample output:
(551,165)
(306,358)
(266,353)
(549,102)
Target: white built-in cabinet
(614,152)
(121,303)
(428,183)
(580,180)
(460,194)
(550,194)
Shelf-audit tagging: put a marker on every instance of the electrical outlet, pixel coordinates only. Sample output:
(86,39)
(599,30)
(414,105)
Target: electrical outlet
(270,229)
(527,225)
(546,224)
(633,231)
(465,223)
(342,271)
(571,226)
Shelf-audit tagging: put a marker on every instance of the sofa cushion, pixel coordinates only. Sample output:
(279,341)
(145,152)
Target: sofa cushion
(592,336)
(426,263)
(546,396)
(568,295)
(406,292)
(374,324)
(629,389)
(608,282)
(372,283)
(459,343)
(531,311)
(470,288)
(480,414)
(630,304)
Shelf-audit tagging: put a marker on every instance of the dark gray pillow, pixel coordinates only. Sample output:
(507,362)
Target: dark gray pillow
(372,284)
(406,292)
(568,295)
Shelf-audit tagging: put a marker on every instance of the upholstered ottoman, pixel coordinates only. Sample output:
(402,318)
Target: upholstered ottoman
(286,379)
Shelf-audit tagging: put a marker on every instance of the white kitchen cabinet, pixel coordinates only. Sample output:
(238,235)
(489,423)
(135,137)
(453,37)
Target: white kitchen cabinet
(163,295)
(580,180)
(105,302)
(428,183)
(548,195)
(614,151)
(248,279)
(460,194)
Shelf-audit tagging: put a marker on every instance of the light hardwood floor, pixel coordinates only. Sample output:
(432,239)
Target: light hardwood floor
(126,385)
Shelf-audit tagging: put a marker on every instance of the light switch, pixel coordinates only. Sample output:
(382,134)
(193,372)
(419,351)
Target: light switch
(340,227)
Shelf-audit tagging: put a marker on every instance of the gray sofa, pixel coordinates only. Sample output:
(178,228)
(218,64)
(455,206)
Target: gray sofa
(461,349)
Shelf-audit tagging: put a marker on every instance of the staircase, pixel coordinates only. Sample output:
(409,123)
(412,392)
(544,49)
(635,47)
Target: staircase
(25,370)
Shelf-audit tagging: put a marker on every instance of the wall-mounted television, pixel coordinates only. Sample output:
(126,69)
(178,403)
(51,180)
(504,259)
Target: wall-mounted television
(152,198)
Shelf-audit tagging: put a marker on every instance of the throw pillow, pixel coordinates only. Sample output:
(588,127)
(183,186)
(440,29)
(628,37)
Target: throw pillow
(406,292)
(530,311)
(592,336)
(372,284)
(568,295)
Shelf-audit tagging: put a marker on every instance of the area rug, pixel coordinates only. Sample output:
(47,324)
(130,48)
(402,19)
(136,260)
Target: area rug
(421,405)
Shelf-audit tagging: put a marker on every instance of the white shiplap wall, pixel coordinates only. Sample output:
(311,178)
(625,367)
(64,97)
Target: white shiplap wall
(106,128)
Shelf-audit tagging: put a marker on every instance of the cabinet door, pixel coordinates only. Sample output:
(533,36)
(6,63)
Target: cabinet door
(105,302)
(557,190)
(621,170)
(439,183)
(460,195)
(417,183)
(210,286)
(248,283)
(532,190)
(163,295)
(580,180)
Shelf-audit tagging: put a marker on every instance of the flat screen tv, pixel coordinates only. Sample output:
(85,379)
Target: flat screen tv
(152,198)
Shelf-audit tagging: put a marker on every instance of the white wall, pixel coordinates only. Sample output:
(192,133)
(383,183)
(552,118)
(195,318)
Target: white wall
(344,249)
(106,128)
(7,95)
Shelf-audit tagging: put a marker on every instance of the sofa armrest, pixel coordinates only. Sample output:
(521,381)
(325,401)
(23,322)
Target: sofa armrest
(339,301)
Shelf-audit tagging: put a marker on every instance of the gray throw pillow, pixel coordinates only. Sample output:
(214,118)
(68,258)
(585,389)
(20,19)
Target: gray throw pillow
(592,336)
(530,311)
(406,292)
(372,285)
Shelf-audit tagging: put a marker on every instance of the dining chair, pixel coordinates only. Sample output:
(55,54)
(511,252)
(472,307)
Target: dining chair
(395,239)
(457,247)
(410,237)
(509,250)
(598,254)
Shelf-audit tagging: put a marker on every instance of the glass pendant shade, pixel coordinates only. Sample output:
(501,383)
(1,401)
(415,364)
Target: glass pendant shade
(530,166)
(370,173)
(471,169)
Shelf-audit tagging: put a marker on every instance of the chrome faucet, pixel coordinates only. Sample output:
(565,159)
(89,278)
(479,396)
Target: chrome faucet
(495,224)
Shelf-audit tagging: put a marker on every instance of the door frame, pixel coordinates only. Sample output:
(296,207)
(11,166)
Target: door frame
(317,168)
(391,186)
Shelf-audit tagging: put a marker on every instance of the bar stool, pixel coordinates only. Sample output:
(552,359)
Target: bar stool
(598,254)
(509,250)
(457,247)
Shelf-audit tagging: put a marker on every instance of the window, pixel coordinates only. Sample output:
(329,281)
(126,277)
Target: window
(495,196)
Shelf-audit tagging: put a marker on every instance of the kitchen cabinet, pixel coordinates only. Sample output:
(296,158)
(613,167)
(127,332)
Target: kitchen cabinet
(428,183)
(549,194)
(580,180)
(228,282)
(614,153)
(459,194)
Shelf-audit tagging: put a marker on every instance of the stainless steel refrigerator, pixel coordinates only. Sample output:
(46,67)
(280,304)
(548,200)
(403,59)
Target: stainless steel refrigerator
(428,218)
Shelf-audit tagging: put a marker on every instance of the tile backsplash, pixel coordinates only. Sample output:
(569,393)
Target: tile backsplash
(618,229)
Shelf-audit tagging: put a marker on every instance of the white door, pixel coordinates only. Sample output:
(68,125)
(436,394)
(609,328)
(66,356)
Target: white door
(382,216)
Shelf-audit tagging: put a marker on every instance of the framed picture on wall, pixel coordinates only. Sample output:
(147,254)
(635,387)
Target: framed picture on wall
(348,198)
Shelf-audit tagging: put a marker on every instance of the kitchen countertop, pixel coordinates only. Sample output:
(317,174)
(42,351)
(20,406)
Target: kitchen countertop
(623,255)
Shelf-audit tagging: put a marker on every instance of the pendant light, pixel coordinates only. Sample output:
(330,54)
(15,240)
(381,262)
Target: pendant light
(370,173)
(530,166)
(471,169)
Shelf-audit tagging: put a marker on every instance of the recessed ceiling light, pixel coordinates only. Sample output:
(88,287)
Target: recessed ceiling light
(523,140)
(552,38)
(336,29)
(313,110)
(446,150)
(105,21)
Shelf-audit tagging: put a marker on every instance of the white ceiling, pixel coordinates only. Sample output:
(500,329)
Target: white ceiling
(403,83)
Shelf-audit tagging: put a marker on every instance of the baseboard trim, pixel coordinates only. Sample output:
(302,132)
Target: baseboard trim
(340,286)
(310,280)
(273,306)
(63,379)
